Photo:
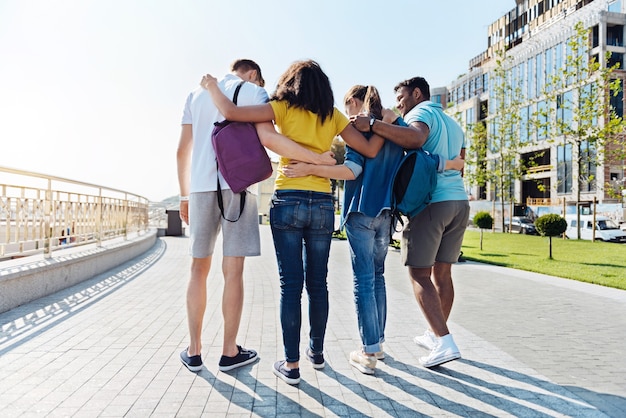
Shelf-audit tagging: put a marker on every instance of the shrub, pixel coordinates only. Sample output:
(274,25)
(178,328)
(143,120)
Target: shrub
(483,220)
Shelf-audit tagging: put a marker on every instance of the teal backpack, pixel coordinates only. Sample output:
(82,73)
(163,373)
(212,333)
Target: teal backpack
(413,183)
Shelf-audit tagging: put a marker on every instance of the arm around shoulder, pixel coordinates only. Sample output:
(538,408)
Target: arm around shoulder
(232,112)
(359,143)
(287,148)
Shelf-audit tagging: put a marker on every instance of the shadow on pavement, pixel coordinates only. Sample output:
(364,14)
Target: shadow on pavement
(25,322)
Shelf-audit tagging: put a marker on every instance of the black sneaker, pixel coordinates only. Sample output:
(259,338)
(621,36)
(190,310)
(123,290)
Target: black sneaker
(193,363)
(244,357)
(290,376)
(316,359)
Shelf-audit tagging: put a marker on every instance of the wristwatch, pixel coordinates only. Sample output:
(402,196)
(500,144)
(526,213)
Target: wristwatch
(372,120)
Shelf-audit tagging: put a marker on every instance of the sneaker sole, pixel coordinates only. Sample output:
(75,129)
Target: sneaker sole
(315,365)
(442,360)
(192,368)
(363,369)
(235,366)
(285,378)
(318,366)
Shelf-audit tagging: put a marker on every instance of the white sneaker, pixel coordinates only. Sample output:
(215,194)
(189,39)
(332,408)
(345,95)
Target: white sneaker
(428,340)
(364,364)
(445,351)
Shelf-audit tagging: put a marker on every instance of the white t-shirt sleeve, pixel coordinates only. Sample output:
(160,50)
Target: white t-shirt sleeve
(261,96)
(187,118)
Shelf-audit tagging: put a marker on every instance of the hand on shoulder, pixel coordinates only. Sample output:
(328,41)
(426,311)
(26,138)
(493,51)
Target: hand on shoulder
(207,81)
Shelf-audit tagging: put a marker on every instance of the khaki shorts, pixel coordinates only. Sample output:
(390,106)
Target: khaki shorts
(435,234)
(239,239)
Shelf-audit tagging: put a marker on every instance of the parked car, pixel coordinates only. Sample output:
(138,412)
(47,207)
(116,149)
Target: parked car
(606,229)
(521,225)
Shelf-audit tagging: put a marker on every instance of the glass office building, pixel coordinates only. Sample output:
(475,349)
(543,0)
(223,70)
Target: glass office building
(536,34)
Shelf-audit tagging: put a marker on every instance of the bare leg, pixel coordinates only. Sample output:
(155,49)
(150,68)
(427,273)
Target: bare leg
(428,300)
(232,302)
(196,302)
(442,278)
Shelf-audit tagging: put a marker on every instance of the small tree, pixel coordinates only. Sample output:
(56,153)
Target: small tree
(483,220)
(551,225)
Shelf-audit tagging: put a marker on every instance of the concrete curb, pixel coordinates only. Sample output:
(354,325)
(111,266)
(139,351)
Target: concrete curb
(35,277)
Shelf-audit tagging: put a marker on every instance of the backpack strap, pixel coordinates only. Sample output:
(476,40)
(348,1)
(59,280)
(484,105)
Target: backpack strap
(237,91)
(242,195)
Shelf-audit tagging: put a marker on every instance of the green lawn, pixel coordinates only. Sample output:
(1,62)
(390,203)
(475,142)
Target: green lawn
(593,262)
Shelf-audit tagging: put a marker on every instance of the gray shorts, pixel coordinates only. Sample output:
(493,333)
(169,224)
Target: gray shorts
(435,234)
(239,239)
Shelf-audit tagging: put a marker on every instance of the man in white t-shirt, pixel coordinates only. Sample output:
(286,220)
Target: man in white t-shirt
(197,177)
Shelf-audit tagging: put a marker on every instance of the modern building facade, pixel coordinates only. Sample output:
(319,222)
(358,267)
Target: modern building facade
(535,36)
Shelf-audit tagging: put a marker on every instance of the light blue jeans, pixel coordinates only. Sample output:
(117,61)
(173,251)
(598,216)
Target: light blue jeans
(302,225)
(369,240)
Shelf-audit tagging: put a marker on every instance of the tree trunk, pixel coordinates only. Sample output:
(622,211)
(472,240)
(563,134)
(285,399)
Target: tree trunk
(481,239)
(550,248)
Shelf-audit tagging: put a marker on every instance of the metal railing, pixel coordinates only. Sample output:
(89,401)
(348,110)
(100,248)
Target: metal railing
(41,213)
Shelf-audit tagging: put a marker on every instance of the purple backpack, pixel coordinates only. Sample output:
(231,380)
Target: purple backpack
(240,157)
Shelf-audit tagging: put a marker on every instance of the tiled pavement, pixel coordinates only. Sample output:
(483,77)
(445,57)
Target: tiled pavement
(532,345)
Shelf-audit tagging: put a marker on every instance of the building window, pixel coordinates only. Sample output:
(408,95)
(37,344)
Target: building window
(564,114)
(588,167)
(531,78)
(564,168)
(522,81)
(595,36)
(436,98)
(615,35)
(542,120)
(540,74)
(549,67)
(469,116)
(558,62)
(616,58)
(615,6)
(617,101)
(523,124)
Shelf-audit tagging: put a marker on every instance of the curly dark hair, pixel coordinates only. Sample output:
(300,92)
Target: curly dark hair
(304,85)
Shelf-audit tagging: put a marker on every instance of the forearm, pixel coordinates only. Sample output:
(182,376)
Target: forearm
(287,148)
(183,159)
(405,136)
(356,140)
(223,103)
(232,112)
(338,172)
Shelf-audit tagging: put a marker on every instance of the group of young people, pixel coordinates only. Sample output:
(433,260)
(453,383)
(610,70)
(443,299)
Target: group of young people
(299,122)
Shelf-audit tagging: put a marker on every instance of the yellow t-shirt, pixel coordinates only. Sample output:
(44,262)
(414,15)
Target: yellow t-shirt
(305,128)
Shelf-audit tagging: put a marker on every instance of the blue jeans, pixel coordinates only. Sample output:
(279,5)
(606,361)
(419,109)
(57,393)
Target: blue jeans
(369,240)
(302,224)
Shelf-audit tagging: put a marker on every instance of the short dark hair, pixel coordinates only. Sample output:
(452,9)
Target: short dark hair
(413,83)
(247,65)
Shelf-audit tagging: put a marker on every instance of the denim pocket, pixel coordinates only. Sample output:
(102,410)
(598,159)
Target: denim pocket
(284,213)
(327,217)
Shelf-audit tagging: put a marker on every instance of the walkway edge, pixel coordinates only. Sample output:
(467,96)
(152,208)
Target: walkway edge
(37,277)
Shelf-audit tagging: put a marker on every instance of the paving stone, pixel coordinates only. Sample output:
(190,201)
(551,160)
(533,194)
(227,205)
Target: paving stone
(109,347)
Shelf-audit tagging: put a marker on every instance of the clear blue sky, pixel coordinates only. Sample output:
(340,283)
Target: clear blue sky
(94,90)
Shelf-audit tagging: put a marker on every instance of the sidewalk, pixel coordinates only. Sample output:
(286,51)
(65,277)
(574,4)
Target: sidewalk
(532,346)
